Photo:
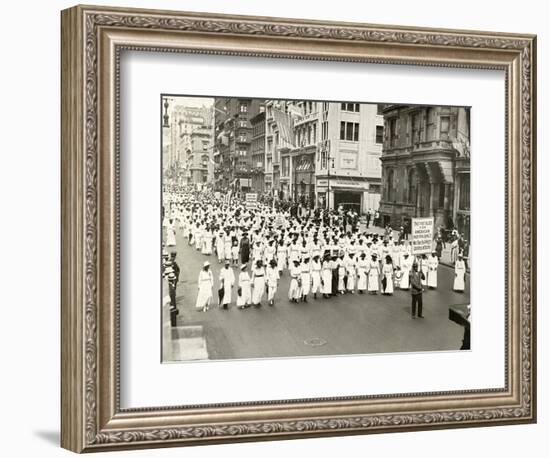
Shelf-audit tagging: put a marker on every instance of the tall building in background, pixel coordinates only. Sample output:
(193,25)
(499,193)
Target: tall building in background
(179,149)
(200,156)
(279,142)
(426,165)
(261,173)
(233,132)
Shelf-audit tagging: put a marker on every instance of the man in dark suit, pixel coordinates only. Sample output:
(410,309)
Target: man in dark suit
(415,280)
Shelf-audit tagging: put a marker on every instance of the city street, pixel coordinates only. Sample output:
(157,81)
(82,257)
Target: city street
(348,324)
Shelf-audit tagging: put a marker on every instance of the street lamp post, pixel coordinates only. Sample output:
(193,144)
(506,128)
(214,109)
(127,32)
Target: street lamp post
(330,164)
(166,117)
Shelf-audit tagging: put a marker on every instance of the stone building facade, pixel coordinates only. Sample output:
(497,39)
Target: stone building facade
(426,165)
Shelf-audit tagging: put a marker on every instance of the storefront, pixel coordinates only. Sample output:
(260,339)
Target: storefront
(304,180)
(350,193)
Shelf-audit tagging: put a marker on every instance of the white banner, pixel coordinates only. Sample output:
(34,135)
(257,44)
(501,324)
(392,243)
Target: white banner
(422,234)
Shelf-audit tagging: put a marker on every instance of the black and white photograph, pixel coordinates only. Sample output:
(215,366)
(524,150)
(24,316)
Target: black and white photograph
(295,228)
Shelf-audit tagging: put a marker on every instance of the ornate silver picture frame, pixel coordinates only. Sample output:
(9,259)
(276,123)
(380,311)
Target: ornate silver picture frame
(93,39)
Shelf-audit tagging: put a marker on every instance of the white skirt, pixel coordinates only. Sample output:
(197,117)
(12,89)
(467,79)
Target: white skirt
(315,282)
(432,278)
(373,281)
(306,284)
(351,282)
(459,281)
(327,282)
(294,291)
(362,280)
(244,298)
(204,297)
(258,291)
(404,284)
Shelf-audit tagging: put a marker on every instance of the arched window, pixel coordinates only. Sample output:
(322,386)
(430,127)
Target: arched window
(389,186)
(412,186)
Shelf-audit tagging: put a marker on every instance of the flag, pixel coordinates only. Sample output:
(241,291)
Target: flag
(295,112)
(284,123)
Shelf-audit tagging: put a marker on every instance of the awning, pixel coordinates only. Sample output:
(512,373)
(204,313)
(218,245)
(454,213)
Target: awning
(305,166)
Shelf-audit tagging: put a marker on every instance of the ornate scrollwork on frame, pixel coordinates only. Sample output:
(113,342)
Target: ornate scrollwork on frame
(95,19)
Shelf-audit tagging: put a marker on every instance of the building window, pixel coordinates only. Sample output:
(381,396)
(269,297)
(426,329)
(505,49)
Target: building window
(389,186)
(441,202)
(430,126)
(379,108)
(243,108)
(412,186)
(324,130)
(242,123)
(464,198)
(393,131)
(350,107)
(349,131)
(445,123)
(379,134)
(415,127)
(242,138)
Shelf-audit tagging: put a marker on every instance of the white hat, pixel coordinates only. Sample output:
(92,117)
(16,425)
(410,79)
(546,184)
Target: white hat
(206,264)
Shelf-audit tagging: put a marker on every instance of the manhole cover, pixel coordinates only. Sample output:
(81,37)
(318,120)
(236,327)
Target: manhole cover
(315,342)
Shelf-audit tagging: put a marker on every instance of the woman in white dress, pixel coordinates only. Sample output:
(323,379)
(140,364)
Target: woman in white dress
(326,277)
(227,245)
(207,241)
(433,263)
(362,267)
(198,237)
(244,295)
(227,280)
(171,233)
(351,271)
(205,284)
(258,279)
(460,273)
(295,290)
(281,256)
(316,276)
(374,275)
(387,273)
(272,277)
(424,270)
(220,246)
(406,264)
(341,274)
(305,276)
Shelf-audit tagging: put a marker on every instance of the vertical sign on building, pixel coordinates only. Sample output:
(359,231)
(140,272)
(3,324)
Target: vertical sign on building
(422,234)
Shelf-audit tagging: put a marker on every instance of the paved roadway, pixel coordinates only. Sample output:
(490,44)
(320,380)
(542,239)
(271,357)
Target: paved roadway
(348,324)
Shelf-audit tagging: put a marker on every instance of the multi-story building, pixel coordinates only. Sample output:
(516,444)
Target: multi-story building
(200,156)
(301,167)
(332,157)
(426,165)
(279,140)
(233,159)
(182,121)
(260,174)
(347,168)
